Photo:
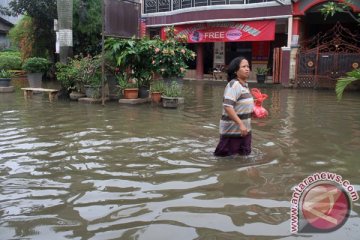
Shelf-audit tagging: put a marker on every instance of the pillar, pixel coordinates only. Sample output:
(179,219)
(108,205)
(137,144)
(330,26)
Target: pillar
(199,61)
(285,66)
(294,48)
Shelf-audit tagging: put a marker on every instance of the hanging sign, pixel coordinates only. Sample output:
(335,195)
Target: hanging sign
(226,31)
(219,54)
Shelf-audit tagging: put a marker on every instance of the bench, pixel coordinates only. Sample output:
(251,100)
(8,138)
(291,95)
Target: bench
(28,92)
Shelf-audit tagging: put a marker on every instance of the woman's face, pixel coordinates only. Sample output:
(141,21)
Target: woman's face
(244,70)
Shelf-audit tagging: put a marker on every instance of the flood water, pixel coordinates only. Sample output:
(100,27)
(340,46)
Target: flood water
(71,170)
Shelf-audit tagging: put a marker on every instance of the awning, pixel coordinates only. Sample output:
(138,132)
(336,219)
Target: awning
(226,31)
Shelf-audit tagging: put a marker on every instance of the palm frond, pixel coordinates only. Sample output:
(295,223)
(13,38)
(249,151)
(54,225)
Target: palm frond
(341,84)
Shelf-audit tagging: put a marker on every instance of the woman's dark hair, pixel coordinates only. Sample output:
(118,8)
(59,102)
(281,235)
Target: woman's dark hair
(234,67)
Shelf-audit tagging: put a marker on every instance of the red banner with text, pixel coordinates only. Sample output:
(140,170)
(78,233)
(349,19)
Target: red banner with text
(226,31)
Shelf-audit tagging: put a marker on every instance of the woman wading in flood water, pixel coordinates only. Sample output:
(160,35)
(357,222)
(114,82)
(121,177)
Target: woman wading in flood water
(238,105)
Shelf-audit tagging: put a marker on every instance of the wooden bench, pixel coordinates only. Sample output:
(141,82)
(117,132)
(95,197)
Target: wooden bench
(28,92)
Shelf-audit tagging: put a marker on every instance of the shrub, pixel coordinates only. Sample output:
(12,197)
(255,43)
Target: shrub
(172,90)
(78,72)
(10,61)
(36,65)
(158,86)
(170,56)
(261,70)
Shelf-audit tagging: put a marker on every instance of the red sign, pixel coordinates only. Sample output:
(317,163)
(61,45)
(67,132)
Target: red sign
(142,27)
(226,31)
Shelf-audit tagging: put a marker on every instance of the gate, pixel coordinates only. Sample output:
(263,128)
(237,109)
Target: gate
(323,59)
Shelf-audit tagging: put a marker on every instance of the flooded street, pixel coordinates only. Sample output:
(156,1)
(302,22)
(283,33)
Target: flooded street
(71,170)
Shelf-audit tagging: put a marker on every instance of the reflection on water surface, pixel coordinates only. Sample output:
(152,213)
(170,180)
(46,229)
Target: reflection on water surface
(80,171)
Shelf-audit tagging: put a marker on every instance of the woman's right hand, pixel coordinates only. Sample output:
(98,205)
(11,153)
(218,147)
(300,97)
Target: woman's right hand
(243,130)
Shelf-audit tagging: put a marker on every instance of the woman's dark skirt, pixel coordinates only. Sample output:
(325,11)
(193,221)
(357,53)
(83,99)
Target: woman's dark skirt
(233,145)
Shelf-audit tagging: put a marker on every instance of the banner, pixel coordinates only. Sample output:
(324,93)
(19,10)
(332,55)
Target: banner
(226,31)
(219,54)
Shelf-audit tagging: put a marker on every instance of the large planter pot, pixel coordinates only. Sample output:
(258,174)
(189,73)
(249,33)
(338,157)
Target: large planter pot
(5,82)
(35,79)
(170,102)
(156,97)
(144,92)
(93,91)
(131,93)
(260,78)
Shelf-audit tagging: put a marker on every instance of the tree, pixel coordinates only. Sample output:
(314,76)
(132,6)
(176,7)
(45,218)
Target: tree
(87,27)
(42,13)
(329,9)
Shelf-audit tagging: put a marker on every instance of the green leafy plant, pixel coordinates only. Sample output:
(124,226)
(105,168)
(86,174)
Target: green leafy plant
(5,74)
(124,81)
(134,56)
(261,70)
(10,60)
(157,86)
(172,90)
(330,8)
(170,55)
(66,75)
(343,82)
(36,65)
(79,71)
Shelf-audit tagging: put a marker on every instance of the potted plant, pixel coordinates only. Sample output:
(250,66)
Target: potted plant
(93,86)
(11,61)
(5,78)
(135,57)
(66,74)
(35,68)
(170,57)
(171,94)
(156,89)
(261,74)
(128,87)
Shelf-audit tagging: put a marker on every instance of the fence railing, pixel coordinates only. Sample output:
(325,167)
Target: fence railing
(154,6)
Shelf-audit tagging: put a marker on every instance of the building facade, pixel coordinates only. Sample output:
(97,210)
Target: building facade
(267,32)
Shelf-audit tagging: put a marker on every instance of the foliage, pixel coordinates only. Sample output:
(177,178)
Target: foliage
(343,82)
(330,8)
(172,90)
(157,86)
(66,75)
(79,71)
(261,70)
(134,56)
(36,65)
(5,74)
(23,36)
(124,81)
(170,56)
(10,60)
(87,26)
(42,13)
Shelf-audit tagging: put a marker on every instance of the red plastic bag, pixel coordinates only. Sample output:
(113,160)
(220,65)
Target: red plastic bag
(259,110)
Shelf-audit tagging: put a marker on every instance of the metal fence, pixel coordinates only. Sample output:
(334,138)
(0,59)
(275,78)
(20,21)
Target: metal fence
(154,6)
